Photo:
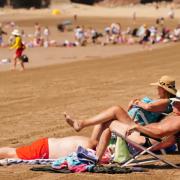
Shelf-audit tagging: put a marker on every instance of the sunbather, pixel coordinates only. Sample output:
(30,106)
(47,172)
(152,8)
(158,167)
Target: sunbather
(48,148)
(52,148)
(169,126)
(152,108)
(166,89)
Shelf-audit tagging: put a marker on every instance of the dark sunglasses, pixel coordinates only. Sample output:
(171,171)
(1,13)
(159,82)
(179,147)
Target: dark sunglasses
(168,85)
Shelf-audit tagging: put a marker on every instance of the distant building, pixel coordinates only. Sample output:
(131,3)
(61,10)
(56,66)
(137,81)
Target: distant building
(121,1)
(25,3)
(90,2)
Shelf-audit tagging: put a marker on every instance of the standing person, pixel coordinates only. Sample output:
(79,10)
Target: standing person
(19,46)
(2,32)
(46,33)
(37,35)
(134,17)
(79,34)
(146,37)
(171,13)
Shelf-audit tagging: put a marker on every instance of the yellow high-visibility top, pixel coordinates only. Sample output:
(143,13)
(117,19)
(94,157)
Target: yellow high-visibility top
(17,44)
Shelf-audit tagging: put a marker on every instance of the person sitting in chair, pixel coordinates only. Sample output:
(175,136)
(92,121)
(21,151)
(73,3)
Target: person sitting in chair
(116,118)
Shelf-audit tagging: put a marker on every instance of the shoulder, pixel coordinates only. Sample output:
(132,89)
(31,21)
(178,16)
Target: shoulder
(165,101)
(18,38)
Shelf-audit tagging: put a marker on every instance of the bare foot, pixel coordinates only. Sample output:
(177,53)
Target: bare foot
(73,123)
(13,69)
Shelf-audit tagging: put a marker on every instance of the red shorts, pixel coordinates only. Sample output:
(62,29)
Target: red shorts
(37,150)
(19,52)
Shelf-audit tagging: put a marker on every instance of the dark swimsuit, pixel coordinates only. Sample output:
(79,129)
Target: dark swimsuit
(134,150)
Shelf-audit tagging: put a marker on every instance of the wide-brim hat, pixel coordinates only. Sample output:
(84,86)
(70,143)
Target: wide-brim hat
(167,83)
(16,32)
(177,98)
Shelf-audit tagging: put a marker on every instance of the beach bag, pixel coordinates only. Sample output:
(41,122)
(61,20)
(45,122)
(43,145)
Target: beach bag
(24,58)
(121,151)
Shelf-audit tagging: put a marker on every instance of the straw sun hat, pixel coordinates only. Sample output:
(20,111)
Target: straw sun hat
(16,32)
(177,98)
(167,83)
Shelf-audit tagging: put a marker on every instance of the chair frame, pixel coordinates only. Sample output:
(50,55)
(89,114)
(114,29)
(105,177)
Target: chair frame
(144,151)
(146,122)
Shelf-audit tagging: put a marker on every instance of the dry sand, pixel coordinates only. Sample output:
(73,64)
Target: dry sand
(32,102)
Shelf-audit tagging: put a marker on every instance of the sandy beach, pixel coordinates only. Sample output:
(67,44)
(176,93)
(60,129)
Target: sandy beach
(80,80)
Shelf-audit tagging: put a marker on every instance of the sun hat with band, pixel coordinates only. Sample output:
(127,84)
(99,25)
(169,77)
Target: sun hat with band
(177,98)
(167,83)
(16,32)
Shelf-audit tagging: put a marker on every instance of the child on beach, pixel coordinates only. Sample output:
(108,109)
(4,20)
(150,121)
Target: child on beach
(19,46)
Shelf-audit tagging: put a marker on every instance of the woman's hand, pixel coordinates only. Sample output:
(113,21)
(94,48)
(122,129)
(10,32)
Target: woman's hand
(131,129)
(133,102)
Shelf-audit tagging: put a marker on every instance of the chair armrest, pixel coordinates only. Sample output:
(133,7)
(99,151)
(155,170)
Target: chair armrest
(178,141)
(156,139)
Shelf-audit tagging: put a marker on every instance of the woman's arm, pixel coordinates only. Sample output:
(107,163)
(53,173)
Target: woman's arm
(17,43)
(158,106)
(153,130)
(169,141)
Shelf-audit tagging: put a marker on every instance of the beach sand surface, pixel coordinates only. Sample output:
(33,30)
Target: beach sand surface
(83,84)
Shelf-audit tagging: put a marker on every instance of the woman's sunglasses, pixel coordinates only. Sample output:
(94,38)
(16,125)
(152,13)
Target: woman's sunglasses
(168,85)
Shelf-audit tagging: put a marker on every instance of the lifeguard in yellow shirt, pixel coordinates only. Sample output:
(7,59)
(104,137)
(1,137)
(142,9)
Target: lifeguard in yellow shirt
(19,46)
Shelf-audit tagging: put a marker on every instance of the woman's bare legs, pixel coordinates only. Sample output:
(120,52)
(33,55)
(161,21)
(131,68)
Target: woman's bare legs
(115,126)
(7,152)
(97,131)
(14,62)
(103,142)
(113,113)
(22,65)
(122,128)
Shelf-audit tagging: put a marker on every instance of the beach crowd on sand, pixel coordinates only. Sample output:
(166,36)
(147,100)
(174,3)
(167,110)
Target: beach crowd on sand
(113,34)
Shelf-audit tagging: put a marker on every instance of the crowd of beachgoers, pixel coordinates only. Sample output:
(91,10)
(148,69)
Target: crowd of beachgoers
(112,34)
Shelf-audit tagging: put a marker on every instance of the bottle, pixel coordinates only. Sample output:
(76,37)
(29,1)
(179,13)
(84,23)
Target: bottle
(112,144)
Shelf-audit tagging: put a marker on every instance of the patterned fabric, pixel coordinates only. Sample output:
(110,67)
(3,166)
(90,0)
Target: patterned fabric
(73,164)
(150,116)
(11,161)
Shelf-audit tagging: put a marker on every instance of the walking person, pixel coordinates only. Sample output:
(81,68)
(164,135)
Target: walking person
(19,46)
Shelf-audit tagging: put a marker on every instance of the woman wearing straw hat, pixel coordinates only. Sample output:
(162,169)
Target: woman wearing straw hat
(19,46)
(152,109)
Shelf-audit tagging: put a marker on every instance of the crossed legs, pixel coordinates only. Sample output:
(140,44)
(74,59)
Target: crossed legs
(113,113)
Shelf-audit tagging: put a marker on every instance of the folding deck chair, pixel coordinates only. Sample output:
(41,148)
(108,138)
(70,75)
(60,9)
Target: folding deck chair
(140,112)
(143,150)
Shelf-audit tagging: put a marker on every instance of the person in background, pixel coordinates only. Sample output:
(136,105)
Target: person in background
(2,32)
(19,46)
